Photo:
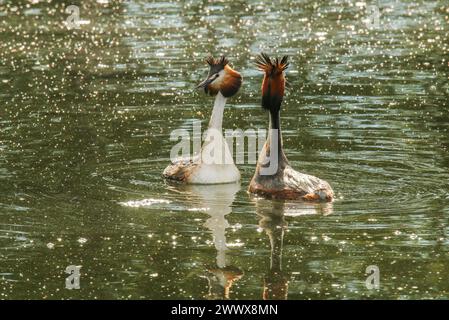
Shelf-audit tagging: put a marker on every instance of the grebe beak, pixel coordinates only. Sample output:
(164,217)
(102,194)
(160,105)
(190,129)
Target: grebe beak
(208,81)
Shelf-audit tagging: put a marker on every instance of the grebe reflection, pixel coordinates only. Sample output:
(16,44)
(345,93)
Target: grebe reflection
(272,215)
(216,201)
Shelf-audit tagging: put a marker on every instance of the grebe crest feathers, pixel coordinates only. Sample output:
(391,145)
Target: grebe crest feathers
(273,85)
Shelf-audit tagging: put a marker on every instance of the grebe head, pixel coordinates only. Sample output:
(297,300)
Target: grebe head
(273,84)
(221,78)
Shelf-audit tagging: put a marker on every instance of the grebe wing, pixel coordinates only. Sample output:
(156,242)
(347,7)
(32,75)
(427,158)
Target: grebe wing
(180,169)
(307,184)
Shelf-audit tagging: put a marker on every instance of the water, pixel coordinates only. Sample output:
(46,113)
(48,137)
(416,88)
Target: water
(85,121)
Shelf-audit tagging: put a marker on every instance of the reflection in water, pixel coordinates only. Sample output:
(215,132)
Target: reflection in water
(272,220)
(296,209)
(216,201)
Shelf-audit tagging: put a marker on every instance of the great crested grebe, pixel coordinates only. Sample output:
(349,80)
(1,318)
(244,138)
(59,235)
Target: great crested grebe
(283,182)
(214,164)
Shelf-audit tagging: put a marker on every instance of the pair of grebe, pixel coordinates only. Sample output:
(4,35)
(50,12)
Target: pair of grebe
(283,182)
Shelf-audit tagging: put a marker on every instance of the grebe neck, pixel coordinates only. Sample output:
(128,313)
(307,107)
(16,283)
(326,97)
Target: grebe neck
(275,126)
(216,119)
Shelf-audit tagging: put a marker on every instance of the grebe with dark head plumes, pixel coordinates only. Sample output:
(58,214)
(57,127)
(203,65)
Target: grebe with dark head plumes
(222,82)
(283,182)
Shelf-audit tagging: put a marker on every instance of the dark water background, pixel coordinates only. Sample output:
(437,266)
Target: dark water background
(85,120)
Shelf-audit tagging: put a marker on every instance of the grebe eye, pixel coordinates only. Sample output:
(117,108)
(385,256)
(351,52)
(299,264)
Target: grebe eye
(214,77)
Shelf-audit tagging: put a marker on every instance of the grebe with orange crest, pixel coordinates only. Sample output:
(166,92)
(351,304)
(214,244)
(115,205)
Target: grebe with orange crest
(274,177)
(214,164)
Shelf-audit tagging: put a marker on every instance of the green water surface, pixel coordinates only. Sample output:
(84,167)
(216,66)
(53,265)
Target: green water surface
(85,121)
